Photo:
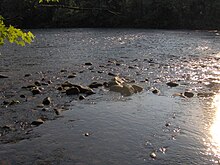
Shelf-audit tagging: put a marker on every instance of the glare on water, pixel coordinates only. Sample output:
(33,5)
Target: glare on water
(215,128)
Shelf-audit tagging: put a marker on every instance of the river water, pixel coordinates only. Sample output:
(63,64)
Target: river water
(124,130)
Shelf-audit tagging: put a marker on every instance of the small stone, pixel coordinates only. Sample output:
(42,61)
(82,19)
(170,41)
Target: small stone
(45,109)
(37,122)
(156,91)
(22,96)
(112,74)
(71,76)
(59,88)
(47,101)
(63,70)
(27,75)
(6,102)
(36,91)
(40,105)
(167,124)
(88,63)
(57,111)
(14,102)
(81,97)
(153,155)
(172,84)
(188,94)
(3,76)
(95,85)
(37,83)
(72,91)
(87,134)
(67,84)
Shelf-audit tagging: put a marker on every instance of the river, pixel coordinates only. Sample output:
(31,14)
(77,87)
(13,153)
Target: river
(107,128)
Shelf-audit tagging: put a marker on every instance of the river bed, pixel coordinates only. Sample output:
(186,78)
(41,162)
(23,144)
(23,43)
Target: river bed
(107,128)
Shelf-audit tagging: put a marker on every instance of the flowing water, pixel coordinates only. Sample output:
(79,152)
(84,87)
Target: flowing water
(122,130)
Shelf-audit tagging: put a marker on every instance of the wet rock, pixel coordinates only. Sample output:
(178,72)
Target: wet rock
(63,70)
(59,88)
(112,74)
(88,63)
(37,83)
(22,96)
(167,124)
(81,97)
(156,91)
(37,122)
(95,85)
(66,84)
(188,94)
(40,105)
(125,90)
(72,76)
(72,91)
(36,91)
(47,101)
(153,155)
(58,111)
(3,76)
(84,89)
(116,81)
(87,134)
(137,88)
(27,75)
(172,84)
(14,102)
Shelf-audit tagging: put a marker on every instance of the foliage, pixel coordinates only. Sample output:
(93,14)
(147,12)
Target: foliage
(15,35)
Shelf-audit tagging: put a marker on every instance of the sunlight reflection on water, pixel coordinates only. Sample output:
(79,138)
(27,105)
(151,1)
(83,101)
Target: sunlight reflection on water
(214,129)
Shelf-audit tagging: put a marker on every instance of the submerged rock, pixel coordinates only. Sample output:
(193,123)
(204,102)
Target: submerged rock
(172,84)
(37,122)
(95,85)
(47,101)
(3,76)
(188,94)
(72,91)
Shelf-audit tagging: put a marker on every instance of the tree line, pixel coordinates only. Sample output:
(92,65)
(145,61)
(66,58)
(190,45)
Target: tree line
(168,14)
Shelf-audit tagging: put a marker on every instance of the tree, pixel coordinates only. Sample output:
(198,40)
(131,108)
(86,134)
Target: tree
(15,35)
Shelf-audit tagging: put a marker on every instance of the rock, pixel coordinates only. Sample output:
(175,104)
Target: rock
(63,70)
(88,63)
(6,102)
(36,91)
(167,124)
(3,76)
(87,134)
(153,155)
(37,83)
(66,84)
(58,111)
(37,122)
(112,74)
(125,90)
(179,94)
(116,81)
(156,91)
(22,96)
(95,85)
(72,76)
(172,84)
(72,91)
(188,94)
(59,88)
(81,97)
(84,89)
(40,105)
(27,75)
(14,102)
(47,101)
(137,88)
